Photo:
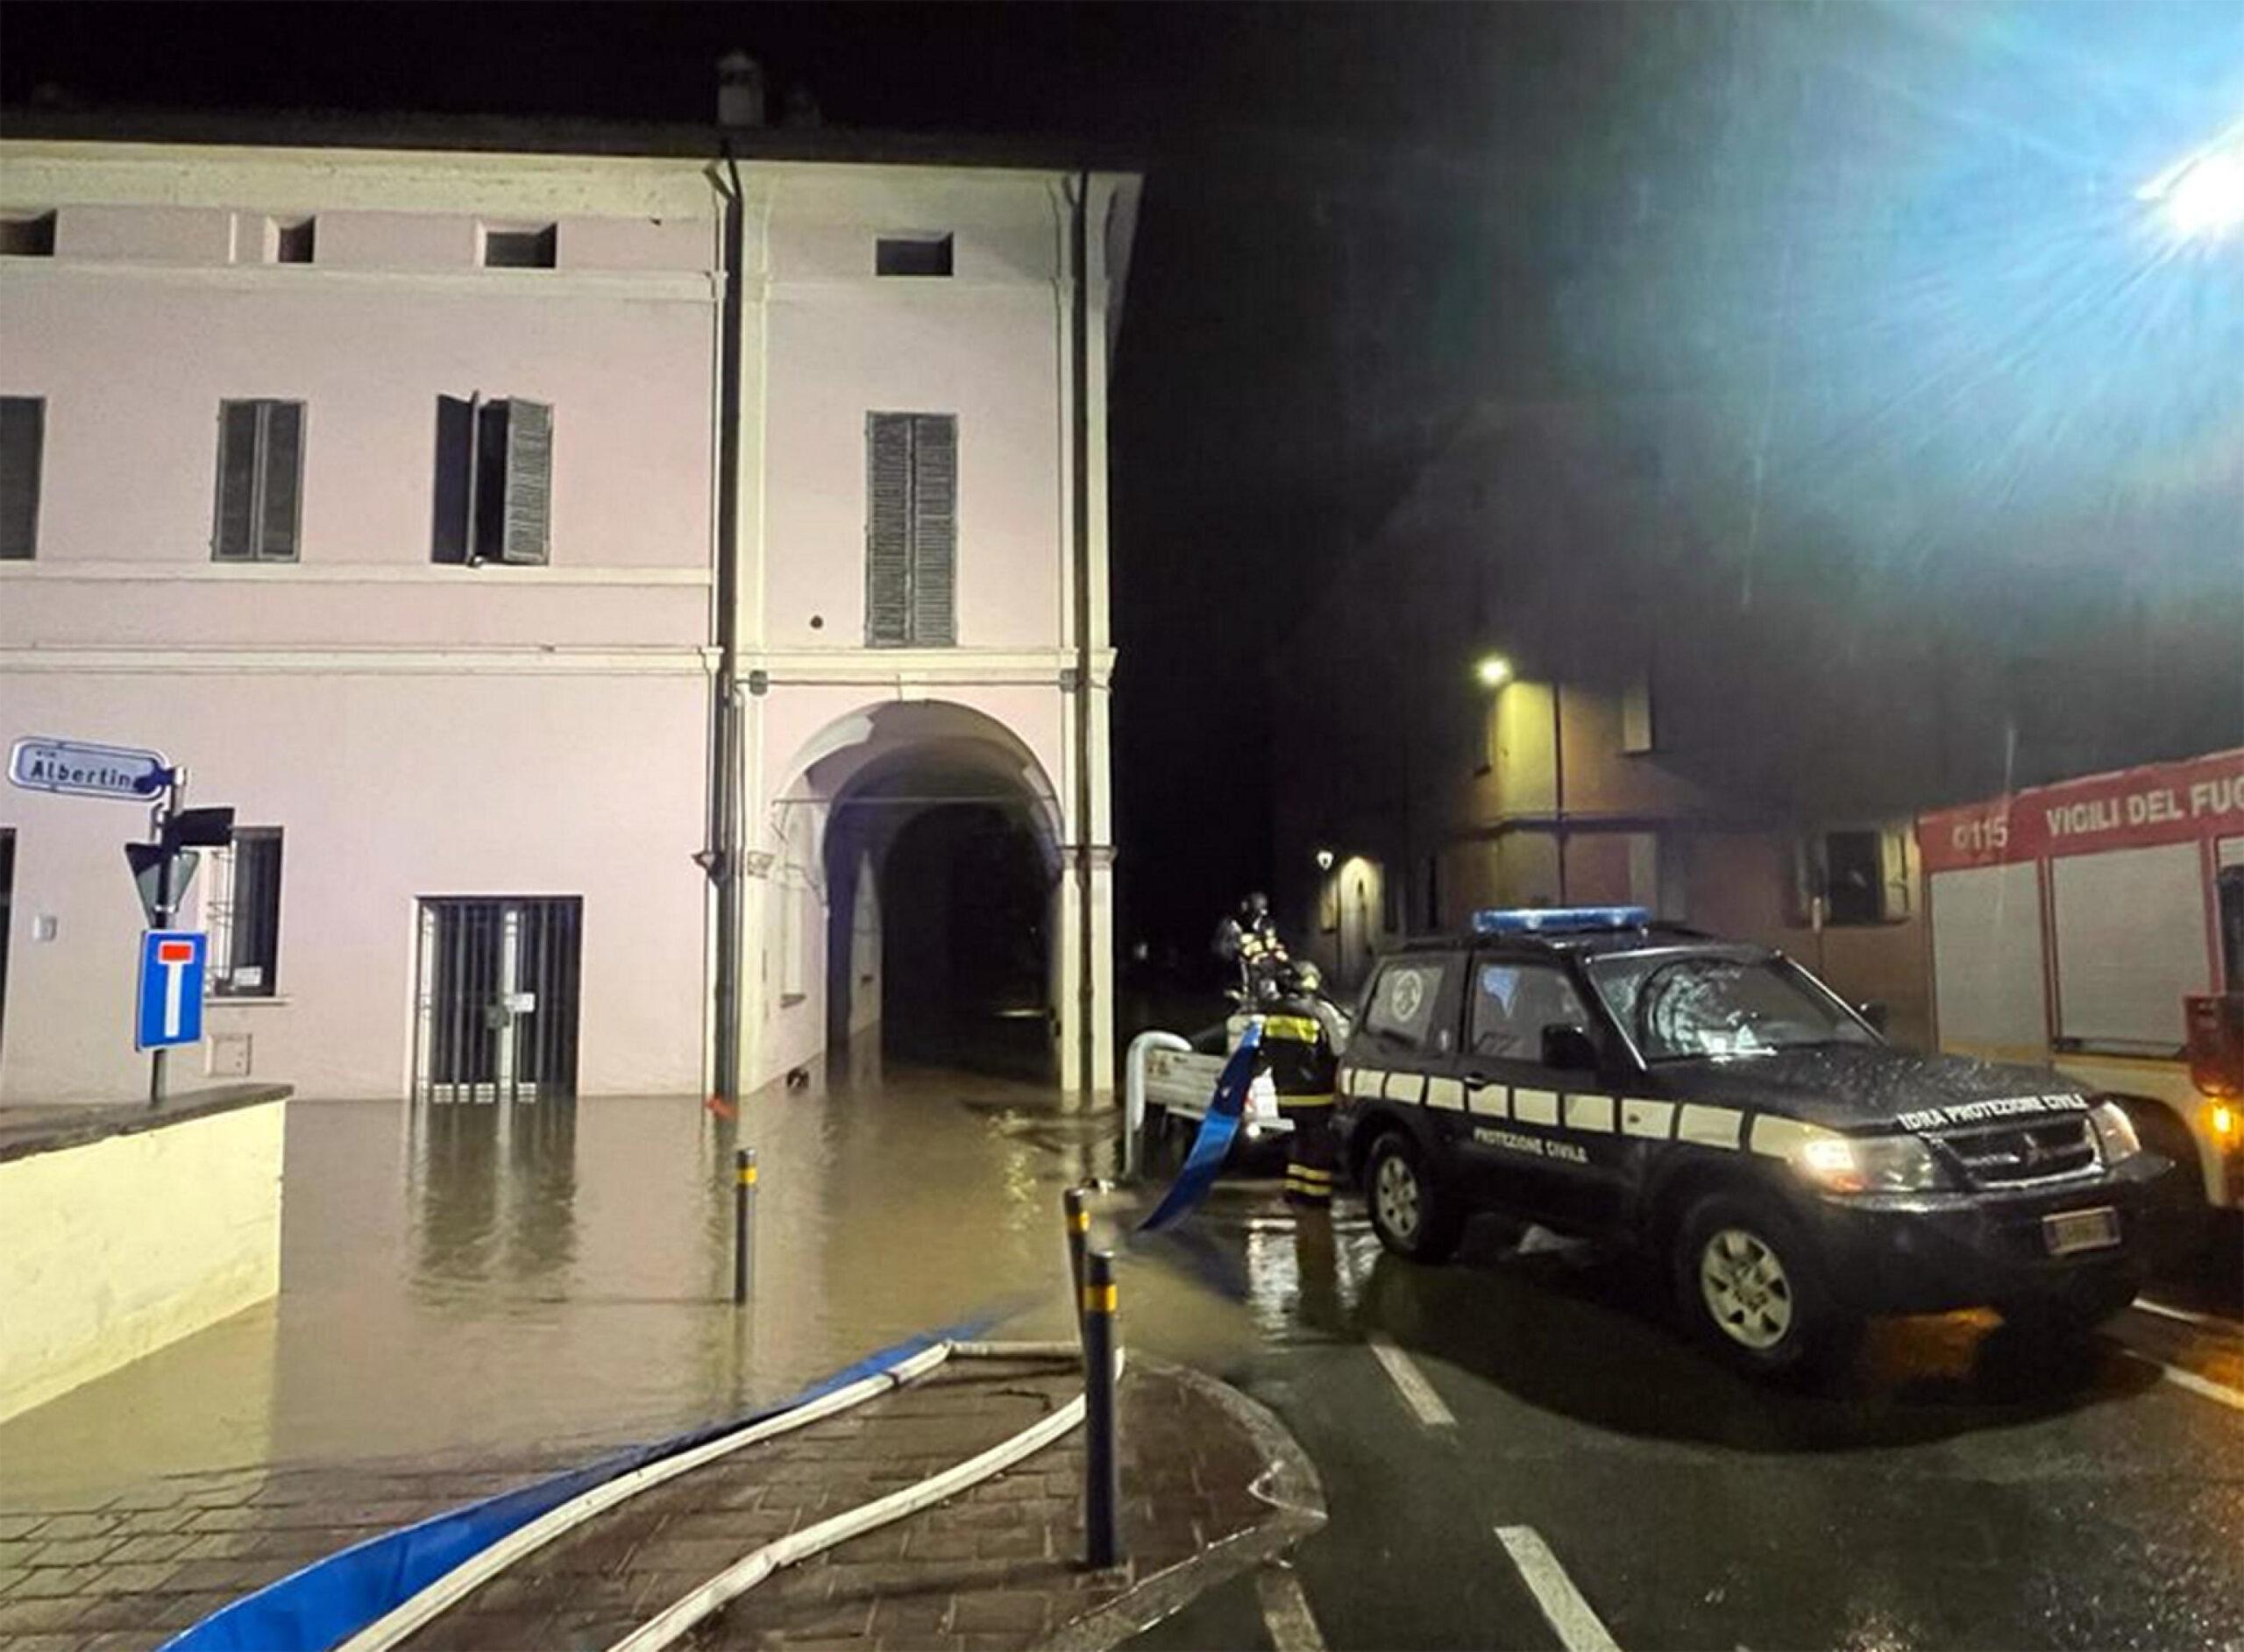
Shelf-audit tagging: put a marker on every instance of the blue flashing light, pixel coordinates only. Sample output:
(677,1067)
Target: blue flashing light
(1558,920)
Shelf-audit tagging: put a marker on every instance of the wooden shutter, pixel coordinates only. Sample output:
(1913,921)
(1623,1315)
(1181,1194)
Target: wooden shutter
(527,513)
(284,478)
(234,537)
(23,426)
(451,531)
(888,529)
(934,529)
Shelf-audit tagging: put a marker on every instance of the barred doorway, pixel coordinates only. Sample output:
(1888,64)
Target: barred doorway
(496,997)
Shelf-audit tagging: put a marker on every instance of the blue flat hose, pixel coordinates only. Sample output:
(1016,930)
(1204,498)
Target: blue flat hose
(1225,1111)
(335,1596)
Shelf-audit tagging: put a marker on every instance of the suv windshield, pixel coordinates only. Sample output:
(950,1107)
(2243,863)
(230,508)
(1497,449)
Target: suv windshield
(1676,1006)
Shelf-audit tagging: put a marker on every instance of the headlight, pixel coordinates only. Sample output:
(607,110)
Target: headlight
(2115,1131)
(1868,1164)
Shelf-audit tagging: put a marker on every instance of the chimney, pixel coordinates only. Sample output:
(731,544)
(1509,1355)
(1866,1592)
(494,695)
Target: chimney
(739,90)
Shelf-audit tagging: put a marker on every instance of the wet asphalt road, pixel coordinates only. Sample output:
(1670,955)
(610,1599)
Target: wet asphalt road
(1958,1487)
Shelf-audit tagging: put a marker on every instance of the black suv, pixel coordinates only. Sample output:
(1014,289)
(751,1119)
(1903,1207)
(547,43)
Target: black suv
(1716,1107)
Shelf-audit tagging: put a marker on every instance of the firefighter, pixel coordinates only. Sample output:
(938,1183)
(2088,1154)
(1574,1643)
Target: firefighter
(1302,1036)
(1250,941)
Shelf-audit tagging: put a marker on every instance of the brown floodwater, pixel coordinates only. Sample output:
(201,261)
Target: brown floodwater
(496,1278)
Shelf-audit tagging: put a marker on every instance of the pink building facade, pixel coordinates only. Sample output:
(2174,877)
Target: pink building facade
(516,542)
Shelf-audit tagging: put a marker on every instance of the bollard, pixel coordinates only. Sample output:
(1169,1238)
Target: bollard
(1102,1464)
(1078,1219)
(744,1217)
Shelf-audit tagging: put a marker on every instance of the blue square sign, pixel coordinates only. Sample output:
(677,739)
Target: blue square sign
(171,988)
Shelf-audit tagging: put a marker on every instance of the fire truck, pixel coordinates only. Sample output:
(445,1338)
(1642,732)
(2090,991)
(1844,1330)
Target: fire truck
(2098,925)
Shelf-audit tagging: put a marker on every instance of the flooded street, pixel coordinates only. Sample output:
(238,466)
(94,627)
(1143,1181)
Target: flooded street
(490,1278)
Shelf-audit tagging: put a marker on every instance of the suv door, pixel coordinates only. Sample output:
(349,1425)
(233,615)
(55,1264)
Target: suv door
(1545,1141)
(1404,1046)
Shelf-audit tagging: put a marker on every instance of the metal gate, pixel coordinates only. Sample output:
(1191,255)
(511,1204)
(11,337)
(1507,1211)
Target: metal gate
(497,991)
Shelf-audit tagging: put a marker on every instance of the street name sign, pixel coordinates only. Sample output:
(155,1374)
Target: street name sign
(79,768)
(172,964)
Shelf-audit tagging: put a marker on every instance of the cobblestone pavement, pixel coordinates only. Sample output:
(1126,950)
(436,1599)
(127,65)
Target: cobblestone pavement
(995,1568)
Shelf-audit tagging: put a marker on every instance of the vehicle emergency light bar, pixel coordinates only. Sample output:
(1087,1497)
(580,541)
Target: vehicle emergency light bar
(1558,920)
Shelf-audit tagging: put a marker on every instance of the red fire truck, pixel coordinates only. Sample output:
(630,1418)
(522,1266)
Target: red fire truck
(2098,924)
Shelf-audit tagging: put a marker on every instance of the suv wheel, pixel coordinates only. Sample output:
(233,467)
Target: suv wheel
(1411,1214)
(1750,1286)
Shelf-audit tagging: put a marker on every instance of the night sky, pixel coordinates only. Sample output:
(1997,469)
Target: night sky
(1360,224)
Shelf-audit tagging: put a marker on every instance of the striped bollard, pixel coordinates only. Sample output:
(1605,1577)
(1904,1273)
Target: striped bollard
(1102,1464)
(744,1218)
(1078,1219)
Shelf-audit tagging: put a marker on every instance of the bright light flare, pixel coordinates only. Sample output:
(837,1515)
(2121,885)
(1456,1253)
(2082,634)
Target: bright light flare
(1493,670)
(2201,196)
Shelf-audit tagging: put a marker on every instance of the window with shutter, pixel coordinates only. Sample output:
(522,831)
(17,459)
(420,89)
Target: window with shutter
(526,513)
(911,529)
(934,529)
(260,481)
(23,437)
(888,529)
(493,493)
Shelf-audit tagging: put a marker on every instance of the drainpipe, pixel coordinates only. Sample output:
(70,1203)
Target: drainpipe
(724,848)
(1079,321)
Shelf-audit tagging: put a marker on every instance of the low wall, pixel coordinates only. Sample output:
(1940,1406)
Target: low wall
(122,1230)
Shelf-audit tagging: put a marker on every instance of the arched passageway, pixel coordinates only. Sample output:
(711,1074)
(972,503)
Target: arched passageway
(923,841)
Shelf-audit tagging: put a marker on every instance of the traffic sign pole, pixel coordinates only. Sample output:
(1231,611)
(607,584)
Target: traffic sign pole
(159,816)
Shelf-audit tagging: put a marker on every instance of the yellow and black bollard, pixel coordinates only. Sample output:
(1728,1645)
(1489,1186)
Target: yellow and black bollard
(1078,1219)
(744,1217)
(1101,1462)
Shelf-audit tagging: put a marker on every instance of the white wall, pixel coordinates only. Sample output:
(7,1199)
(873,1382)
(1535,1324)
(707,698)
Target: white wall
(90,1282)
(387,788)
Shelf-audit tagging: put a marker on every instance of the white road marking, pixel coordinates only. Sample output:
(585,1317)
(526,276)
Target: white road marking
(1285,1612)
(1418,1392)
(1578,1628)
(2219,1393)
(2188,1317)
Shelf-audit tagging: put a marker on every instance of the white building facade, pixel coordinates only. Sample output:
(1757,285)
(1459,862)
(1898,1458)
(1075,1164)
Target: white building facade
(573,568)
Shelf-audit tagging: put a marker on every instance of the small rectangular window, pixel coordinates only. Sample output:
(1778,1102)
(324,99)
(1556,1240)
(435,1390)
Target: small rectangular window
(27,235)
(242,914)
(23,440)
(911,529)
(288,240)
(912,255)
(494,481)
(519,247)
(260,481)
(1854,881)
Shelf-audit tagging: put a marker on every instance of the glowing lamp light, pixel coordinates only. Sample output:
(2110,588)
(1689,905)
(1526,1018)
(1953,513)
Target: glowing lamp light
(2225,1122)
(1324,860)
(1493,670)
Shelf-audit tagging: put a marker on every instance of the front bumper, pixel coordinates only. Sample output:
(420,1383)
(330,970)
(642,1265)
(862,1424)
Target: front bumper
(1922,1254)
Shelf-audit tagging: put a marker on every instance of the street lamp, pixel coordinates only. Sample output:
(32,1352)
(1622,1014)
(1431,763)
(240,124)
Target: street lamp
(1493,669)
(2201,196)
(1324,860)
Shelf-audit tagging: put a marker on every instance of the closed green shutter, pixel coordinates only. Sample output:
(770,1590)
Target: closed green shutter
(22,429)
(284,476)
(234,537)
(935,530)
(888,529)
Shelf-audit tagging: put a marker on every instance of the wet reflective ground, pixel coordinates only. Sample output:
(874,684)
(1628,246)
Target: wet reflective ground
(501,1280)
(469,1277)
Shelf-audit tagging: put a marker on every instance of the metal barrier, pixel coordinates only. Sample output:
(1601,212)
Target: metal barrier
(1133,1095)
